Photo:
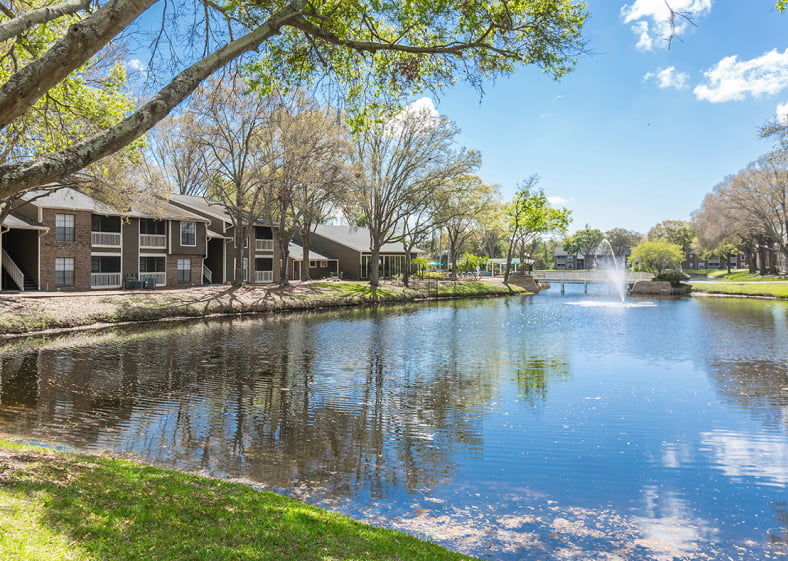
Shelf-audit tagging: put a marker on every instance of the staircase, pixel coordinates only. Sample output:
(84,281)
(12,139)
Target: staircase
(18,276)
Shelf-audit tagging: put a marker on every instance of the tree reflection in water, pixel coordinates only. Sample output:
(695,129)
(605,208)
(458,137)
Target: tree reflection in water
(520,429)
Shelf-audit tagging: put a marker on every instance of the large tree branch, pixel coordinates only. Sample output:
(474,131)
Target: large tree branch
(455,48)
(80,43)
(24,175)
(23,22)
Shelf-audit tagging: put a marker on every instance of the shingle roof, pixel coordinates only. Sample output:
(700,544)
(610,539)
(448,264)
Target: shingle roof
(69,199)
(297,253)
(207,207)
(356,238)
(22,223)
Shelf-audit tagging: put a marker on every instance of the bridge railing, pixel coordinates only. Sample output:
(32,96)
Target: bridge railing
(587,276)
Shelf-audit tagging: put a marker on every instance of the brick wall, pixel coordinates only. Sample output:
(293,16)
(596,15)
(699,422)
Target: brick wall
(79,250)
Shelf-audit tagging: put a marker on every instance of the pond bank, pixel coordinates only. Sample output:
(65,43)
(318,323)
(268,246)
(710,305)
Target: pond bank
(23,314)
(60,505)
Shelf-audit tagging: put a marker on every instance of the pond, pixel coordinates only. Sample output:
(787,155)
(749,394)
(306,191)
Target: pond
(531,428)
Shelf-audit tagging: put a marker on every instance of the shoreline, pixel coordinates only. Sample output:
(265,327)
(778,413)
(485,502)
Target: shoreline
(56,313)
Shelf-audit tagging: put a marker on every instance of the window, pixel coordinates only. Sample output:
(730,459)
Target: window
(313,264)
(152,265)
(64,270)
(64,227)
(105,223)
(188,233)
(150,226)
(263,264)
(324,264)
(104,264)
(184,270)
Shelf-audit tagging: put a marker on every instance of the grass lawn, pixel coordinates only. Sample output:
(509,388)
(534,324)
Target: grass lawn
(752,288)
(62,506)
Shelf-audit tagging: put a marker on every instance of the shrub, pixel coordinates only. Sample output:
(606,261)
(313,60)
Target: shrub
(673,277)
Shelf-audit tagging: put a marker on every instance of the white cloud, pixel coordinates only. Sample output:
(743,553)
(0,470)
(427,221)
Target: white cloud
(669,78)
(650,20)
(555,200)
(733,80)
(739,455)
(781,114)
(423,108)
(136,65)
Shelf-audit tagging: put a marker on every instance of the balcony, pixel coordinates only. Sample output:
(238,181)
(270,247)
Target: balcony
(155,241)
(264,245)
(105,239)
(105,280)
(262,277)
(160,278)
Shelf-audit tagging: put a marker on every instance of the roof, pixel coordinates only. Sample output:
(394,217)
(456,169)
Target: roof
(22,223)
(297,253)
(356,238)
(208,207)
(66,198)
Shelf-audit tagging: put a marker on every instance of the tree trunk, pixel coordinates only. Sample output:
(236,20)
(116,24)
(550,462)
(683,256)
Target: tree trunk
(374,268)
(406,269)
(238,251)
(509,259)
(283,241)
(305,276)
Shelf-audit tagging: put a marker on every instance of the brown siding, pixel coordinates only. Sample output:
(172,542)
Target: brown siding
(349,259)
(130,258)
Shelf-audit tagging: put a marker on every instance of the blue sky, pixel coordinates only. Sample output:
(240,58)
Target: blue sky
(638,133)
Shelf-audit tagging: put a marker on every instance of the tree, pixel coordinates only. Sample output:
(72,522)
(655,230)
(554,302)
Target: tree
(399,164)
(622,240)
(529,216)
(460,212)
(85,103)
(181,155)
(678,232)
(323,187)
(367,49)
(656,256)
(238,166)
(585,242)
(308,177)
(492,227)
(748,210)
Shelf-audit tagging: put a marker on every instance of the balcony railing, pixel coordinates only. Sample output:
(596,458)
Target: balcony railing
(105,239)
(105,280)
(161,278)
(207,274)
(153,240)
(264,245)
(261,277)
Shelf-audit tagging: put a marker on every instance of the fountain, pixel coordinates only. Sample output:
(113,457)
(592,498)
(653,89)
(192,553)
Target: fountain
(617,278)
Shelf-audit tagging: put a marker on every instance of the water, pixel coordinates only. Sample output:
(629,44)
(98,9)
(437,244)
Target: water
(536,428)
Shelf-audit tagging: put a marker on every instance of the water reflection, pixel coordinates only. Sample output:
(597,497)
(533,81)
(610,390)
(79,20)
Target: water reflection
(519,429)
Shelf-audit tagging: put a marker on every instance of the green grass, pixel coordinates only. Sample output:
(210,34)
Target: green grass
(765,289)
(60,506)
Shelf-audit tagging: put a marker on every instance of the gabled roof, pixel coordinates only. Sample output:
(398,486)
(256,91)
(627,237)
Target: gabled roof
(68,199)
(208,207)
(21,223)
(356,238)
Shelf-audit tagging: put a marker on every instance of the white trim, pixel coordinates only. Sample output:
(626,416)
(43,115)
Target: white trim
(182,222)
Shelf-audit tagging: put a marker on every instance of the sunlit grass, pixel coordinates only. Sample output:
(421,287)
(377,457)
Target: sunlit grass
(766,289)
(59,506)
